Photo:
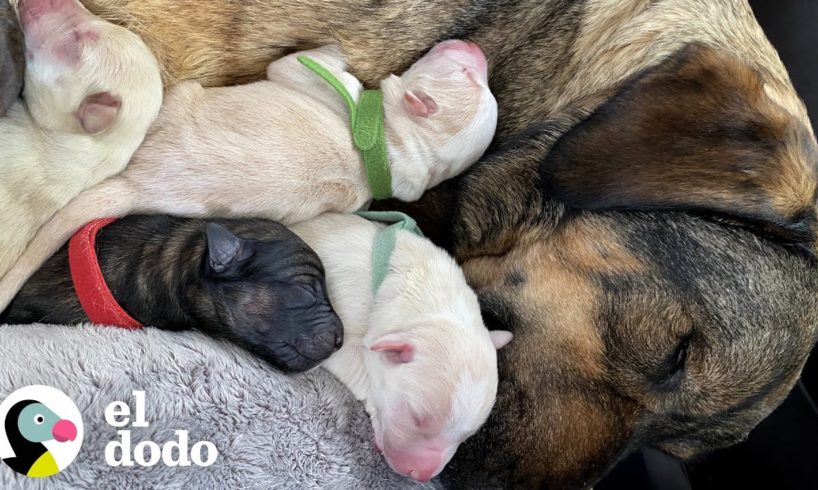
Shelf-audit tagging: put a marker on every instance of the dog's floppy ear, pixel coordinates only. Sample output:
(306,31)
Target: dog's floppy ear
(500,338)
(98,111)
(419,104)
(698,133)
(394,349)
(226,252)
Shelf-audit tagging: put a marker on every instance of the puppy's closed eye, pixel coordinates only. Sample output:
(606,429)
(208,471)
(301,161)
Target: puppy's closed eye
(300,297)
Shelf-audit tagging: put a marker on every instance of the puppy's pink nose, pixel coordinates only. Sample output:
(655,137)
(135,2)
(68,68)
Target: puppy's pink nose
(64,430)
(31,10)
(471,52)
(63,22)
(421,466)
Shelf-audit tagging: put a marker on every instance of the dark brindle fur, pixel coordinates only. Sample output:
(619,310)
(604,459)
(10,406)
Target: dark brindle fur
(264,291)
(12,60)
(656,266)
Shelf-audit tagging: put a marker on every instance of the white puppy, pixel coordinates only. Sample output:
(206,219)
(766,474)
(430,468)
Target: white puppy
(418,352)
(92,90)
(282,148)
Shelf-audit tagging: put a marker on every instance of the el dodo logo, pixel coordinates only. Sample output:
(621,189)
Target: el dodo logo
(41,431)
(148,453)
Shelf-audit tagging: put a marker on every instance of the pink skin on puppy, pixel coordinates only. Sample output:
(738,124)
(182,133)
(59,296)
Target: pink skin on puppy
(417,352)
(433,92)
(91,91)
(444,57)
(454,52)
(419,419)
(466,51)
(68,50)
(422,456)
(52,29)
(57,33)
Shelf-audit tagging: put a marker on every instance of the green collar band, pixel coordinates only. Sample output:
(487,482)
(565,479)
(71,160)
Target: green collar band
(385,241)
(366,121)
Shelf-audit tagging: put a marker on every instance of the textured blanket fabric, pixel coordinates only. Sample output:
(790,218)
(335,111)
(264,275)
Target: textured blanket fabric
(271,430)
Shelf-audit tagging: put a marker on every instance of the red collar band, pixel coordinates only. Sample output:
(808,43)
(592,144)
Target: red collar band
(96,299)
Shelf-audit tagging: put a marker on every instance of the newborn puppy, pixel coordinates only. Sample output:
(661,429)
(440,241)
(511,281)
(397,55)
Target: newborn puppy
(252,282)
(91,91)
(417,353)
(12,60)
(282,149)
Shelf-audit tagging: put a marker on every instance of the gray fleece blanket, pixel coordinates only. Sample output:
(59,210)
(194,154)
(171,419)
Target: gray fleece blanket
(271,430)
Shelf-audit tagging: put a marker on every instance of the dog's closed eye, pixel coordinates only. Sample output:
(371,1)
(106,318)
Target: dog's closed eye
(672,369)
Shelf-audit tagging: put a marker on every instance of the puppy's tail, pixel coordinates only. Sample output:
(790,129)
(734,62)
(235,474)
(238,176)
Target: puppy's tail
(110,198)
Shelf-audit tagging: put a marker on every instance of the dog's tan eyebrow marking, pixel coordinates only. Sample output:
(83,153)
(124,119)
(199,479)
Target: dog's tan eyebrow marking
(516,278)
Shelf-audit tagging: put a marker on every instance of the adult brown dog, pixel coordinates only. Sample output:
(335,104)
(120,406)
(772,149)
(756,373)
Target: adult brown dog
(645,223)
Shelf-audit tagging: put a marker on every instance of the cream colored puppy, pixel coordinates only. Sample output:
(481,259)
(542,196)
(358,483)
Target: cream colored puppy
(417,353)
(282,149)
(91,91)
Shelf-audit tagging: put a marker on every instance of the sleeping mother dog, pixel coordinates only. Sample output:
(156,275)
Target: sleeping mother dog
(644,224)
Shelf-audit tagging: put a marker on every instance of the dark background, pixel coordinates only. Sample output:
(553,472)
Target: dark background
(782,452)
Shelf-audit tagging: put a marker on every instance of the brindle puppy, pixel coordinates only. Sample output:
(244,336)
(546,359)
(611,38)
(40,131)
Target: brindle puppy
(264,291)
(12,58)
(655,266)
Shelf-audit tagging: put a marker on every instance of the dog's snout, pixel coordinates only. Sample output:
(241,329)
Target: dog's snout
(32,10)
(321,340)
(468,53)
(421,466)
(326,341)
(334,331)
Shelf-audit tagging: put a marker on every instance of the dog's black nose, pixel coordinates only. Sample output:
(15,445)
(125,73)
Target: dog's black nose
(339,340)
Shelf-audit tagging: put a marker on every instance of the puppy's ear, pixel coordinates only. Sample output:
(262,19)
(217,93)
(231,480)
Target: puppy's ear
(419,104)
(98,112)
(500,338)
(226,252)
(394,350)
(699,133)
